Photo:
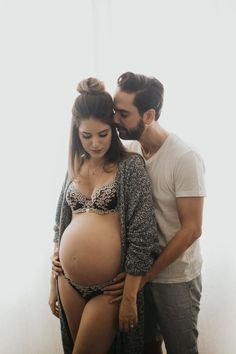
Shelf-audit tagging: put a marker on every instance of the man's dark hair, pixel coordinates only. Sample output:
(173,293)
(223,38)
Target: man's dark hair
(148,91)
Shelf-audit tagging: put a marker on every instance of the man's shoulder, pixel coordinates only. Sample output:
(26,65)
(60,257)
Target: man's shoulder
(180,144)
(182,148)
(132,145)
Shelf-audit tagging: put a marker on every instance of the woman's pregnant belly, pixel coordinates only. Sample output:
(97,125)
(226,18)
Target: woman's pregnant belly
(90,249)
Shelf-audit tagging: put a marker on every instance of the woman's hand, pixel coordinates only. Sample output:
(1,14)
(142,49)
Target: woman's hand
(56,265)
(52,301)
(128,316)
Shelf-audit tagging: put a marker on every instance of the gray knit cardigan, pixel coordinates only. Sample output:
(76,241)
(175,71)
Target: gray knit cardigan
(139,242)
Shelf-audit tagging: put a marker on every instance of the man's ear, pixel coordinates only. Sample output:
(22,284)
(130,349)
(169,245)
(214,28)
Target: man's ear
(149,116)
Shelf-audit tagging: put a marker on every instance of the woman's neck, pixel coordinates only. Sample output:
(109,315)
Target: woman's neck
(96,163)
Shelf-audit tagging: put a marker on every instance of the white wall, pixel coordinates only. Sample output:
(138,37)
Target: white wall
(46,48)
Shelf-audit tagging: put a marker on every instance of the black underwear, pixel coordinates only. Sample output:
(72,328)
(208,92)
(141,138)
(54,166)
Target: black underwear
(90,291)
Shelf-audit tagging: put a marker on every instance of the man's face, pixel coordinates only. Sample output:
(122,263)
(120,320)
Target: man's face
(128,121)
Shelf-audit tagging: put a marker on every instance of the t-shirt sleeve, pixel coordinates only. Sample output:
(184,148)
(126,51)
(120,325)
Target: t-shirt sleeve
(189,176)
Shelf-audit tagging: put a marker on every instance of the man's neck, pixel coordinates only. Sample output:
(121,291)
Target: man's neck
(152,139)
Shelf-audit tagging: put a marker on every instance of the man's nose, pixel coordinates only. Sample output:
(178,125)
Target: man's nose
(117,118)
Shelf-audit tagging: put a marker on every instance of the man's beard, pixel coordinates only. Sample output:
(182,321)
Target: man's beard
(132,134)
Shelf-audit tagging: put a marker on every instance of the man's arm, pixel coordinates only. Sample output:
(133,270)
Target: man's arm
(190,210)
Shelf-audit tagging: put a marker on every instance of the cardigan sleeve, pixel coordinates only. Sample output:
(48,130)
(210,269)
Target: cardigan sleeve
(58,210)
(141,226)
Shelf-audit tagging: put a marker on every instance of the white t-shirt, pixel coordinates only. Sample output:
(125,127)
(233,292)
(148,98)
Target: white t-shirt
(176,170)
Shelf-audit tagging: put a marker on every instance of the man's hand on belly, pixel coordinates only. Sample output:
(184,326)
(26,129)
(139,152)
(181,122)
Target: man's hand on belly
(116,290)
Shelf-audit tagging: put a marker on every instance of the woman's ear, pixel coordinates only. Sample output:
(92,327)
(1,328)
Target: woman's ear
(149,116)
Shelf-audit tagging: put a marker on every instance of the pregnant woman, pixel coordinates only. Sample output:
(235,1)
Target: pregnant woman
(105,224)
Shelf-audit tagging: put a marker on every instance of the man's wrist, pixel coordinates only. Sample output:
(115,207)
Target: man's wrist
(148,277)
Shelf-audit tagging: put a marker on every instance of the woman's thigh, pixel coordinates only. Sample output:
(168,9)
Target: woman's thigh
(98,326)
(73,305)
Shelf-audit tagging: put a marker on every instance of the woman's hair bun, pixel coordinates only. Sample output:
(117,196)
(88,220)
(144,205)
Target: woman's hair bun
(91,85)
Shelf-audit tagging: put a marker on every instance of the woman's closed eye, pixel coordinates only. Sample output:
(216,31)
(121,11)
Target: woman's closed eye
(88,136)
(103,135)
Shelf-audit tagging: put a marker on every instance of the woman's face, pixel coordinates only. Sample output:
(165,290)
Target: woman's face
(95,137)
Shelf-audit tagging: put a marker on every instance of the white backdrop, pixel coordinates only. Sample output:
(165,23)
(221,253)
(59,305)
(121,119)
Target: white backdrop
(46,48)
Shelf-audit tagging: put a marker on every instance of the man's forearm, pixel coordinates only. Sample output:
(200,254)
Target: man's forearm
(183,239)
